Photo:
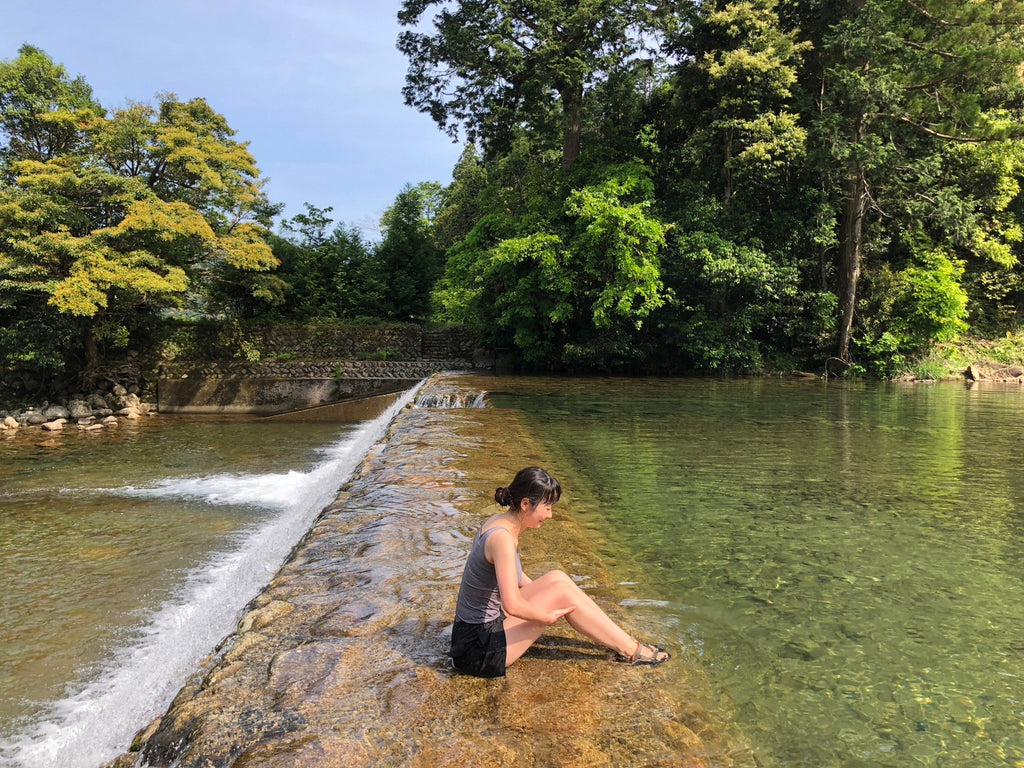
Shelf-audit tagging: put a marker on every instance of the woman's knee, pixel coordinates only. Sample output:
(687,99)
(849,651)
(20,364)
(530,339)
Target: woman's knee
(559,577)
(562,584)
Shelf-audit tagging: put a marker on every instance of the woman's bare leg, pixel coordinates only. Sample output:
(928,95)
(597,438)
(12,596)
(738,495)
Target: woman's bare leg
(556,589)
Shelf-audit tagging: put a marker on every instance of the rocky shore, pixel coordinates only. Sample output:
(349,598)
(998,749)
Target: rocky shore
(341,660)
(95,411)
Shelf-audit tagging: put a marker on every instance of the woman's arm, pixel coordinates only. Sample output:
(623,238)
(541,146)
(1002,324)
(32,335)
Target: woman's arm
(500,549)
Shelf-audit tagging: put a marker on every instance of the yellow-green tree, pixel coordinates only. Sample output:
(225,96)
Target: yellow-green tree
(117,216)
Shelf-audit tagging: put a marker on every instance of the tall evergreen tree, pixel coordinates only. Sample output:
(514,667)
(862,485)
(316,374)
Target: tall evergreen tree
(895,82)
(407,258)
(491,68)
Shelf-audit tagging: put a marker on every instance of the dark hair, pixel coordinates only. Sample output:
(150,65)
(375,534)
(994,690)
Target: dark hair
(532,483)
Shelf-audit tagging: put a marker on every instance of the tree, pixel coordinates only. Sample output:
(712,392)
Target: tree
(896,81)
(573,290)
(42,109)
(491,68)
(407,258)
(328,272)
(734,95)
(461,205)
(135,214)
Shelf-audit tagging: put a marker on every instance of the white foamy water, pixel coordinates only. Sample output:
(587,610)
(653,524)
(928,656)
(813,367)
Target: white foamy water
(96,722)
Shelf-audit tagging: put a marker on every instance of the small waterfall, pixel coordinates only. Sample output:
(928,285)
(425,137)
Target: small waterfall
(452,400)
(95,723)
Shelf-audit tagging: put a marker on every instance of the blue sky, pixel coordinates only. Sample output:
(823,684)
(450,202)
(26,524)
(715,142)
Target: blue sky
(313,85)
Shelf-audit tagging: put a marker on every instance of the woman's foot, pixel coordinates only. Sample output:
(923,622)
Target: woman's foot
(646,654)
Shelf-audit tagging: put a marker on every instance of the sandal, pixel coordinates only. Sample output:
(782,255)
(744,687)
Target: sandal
(646,654)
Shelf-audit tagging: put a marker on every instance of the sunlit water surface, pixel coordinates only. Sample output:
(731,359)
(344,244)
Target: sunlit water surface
(846,562)
(126,555)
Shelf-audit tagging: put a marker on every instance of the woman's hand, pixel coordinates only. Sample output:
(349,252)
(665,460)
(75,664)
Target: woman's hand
(558,613)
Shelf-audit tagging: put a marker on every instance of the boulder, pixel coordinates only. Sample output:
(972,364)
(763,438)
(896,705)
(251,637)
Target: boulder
(9,422)
(55,426)
(79,409)
(56,412)
(118,398)
(96,402)
(34,418)
(989,371)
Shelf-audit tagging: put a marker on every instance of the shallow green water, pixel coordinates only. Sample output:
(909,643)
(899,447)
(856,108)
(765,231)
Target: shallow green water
(845,561)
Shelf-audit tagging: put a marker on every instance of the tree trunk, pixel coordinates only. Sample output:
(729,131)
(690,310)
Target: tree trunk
(726,170)
(850,239)
(91,352)
(572,107)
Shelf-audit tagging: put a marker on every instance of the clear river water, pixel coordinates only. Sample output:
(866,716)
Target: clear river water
(127,555)
(844,563)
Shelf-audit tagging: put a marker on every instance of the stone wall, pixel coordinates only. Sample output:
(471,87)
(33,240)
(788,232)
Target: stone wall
(227,368)
(276,386)
(323,342)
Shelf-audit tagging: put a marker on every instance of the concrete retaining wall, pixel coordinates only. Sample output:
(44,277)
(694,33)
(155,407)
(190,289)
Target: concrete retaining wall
(277,387)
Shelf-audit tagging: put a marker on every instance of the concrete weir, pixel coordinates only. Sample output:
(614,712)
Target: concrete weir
(341,660)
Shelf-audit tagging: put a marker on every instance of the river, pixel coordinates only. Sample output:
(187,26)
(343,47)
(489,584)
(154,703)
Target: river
(843,562)
(125,556)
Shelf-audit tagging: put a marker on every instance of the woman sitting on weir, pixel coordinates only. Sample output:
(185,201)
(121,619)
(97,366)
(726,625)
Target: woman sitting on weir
(501,612)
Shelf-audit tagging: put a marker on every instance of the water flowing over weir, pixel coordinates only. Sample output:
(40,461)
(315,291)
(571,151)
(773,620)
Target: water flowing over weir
(95,722)
(342,659)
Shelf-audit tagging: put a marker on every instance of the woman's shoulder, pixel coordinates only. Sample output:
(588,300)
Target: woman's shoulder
(492,523)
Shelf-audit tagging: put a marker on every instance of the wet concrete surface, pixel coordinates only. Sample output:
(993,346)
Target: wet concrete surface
(341,660)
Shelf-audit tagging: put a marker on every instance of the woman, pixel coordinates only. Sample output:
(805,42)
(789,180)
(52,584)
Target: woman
(501,612)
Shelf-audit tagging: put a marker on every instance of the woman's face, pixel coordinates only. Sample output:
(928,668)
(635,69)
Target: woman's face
(535,514)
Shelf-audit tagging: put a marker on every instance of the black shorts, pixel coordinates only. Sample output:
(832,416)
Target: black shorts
(479,649)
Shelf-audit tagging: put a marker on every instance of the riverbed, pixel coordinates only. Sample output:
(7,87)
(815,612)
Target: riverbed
(835,567)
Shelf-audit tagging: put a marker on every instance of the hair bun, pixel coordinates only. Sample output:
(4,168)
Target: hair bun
(503,496)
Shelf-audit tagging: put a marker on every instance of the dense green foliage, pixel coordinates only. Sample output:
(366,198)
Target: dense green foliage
(726,185)
(111,223)
(338,274)
(107,219)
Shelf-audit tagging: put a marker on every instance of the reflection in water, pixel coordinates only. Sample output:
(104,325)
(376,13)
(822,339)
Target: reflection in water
(844,560)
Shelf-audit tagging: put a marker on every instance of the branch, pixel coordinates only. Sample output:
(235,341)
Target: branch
(932,132)
(942,54)
(945,23)
(929,16)
(924,86)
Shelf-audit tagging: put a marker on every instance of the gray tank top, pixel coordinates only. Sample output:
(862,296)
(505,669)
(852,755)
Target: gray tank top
(479,600)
